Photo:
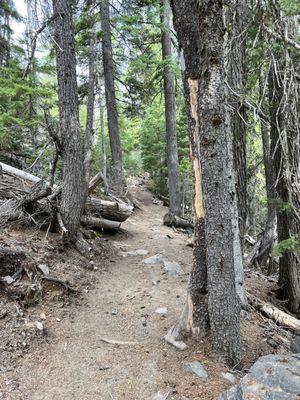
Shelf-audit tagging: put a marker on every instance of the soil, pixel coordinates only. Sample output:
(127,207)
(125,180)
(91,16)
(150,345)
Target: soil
(68,360)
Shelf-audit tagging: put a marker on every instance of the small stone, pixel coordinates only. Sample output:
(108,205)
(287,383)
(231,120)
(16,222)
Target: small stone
(228,377)
(43,268)
(196,368)
(161,310)
(135,253)
(156,259)
(172,268)
(295,345)
(43,316)
(159,396)
(39,326)
(8,279)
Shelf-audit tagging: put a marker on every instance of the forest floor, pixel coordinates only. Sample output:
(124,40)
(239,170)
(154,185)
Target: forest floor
(67,360)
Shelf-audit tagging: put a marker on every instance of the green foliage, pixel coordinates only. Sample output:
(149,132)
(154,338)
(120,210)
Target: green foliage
(291,245)
(153,145)
(290,7)
(17,102)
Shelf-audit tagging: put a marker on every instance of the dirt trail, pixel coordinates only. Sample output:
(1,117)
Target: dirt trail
(77,365)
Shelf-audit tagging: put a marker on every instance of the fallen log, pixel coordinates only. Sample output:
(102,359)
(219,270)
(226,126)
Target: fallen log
(100,223)
(108,209)
(19,173)
(12,209)
(280,317)
(177,222)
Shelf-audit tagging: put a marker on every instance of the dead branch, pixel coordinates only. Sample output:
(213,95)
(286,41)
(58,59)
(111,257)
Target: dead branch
(280,317)
(59,282)
(119,342)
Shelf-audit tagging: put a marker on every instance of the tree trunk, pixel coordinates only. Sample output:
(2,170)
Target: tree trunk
(170,113)
(89,129)
(236,73)
(103,144)
(236,80)
(200,29)
(116,167)
(285,133)
(269,235)
(73,187)
(194,318)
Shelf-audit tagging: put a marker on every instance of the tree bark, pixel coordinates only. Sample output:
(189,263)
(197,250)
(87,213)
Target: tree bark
(89,129)
(236,73)
(73,187)
(200,28)
(116,168)
(269,234)
(170,113)
(236,80)
(103,144)
(285,133)
(194,318)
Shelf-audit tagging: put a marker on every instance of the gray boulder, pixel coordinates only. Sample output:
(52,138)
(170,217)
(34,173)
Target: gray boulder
(272,377)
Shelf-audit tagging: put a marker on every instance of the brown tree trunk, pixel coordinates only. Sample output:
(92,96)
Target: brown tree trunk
(194,319)
(116,167)
(73,187)
(89,129)
(103,144)
(285,133)
(236,80)
(201,31)
(170,113)
(269,234)
(236,73)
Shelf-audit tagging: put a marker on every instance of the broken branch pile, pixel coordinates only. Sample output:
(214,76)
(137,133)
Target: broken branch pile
(29,199)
